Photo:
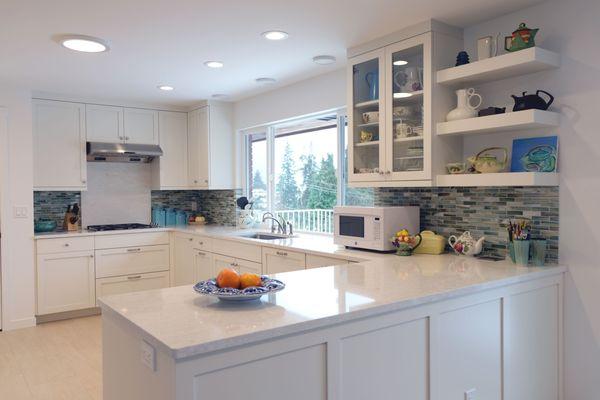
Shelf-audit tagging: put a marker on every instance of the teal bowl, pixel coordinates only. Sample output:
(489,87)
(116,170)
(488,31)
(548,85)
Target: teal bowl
(44,225)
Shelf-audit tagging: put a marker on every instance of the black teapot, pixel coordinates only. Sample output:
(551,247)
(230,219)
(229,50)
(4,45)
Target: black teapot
(532,101)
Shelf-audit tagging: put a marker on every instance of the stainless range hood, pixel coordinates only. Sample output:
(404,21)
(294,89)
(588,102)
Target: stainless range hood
(122,152)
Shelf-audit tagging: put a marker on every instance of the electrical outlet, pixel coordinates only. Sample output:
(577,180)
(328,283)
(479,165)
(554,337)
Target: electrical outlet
(20,211)
(471,394)
(148,354)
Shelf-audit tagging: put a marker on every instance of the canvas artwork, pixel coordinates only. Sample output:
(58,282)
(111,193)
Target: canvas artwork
(538,154)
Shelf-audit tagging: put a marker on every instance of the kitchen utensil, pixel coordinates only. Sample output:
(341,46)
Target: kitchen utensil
(532,101)
(522,38)
(464,108)
(371,116)
(366,136)
(521,252)
(491,111)
(456,168)
(210,288)
(486,163)
(538,251)
(44,225)
(372,79)
(465,244)
(431,243)
(241,202)
(72,218)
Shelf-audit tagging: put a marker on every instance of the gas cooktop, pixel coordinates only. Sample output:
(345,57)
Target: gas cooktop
(118,227)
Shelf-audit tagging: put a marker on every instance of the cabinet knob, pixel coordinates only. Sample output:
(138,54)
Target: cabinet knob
(201,254)
(195,181)
(66,245)
(83,181)
(206,181)
(191,239)
(91,256)
(201,243)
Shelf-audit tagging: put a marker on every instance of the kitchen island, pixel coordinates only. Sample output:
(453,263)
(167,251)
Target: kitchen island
(420,327)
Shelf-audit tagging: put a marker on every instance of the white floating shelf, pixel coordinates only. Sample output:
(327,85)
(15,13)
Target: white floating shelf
(367,144)
(520,62)
(512,121)
(368,125)
(366,104)
(408,139)
(500,179)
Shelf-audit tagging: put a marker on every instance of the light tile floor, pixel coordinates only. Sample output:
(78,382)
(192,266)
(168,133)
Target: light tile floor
(58,360)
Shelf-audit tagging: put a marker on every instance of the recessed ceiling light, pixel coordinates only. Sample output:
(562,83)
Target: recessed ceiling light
(402,95)
(265,80)
(214,64)
(86,44)
(400,62)
(324,60)
(166,88)
(219,96)
(275,35)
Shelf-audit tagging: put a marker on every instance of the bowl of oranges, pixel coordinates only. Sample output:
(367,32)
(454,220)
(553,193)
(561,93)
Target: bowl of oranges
(229,285)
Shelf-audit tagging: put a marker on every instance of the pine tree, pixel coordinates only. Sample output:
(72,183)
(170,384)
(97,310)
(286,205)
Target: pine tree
(324,193)
(286,191)
(309,172)
(257,181)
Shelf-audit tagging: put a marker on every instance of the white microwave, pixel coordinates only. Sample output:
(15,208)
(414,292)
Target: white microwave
(372,227)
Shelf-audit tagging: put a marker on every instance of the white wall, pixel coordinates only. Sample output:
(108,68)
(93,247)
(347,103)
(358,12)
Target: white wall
(18,278)
(321,93)
(572,29)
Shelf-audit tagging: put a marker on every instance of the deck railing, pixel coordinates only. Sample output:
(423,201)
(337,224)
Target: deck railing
(314,220)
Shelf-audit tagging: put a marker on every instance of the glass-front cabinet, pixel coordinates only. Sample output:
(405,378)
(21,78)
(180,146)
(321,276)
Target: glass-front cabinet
(390,113)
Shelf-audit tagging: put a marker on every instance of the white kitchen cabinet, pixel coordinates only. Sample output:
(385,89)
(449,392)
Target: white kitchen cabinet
(131,283)
(204,266)
(104,123)
(131,260)
(65,282)
(240,265)
(315,261)
(211,147)
(170,171)
(237,249)
(183,260)
(140,126)
(276,260)
(59,141)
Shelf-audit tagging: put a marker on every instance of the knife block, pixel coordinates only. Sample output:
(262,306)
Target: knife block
(67,225)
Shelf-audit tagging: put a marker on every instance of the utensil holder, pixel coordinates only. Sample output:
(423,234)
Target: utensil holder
(538,252)
(511,251)
(521,252)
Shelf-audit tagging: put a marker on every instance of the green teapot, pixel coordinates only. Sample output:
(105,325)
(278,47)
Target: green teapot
(520,39)
(485,163)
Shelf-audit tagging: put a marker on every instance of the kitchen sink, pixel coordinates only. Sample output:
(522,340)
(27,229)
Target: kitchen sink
(266,236)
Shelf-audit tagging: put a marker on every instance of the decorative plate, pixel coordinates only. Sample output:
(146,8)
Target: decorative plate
(210,288)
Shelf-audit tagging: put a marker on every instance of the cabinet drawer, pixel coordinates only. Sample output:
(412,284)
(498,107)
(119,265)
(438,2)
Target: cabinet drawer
(197,242)
(237,249)
(131,260)
(131,283)
(62,245)
(314,261)
(278,260)
(131,239)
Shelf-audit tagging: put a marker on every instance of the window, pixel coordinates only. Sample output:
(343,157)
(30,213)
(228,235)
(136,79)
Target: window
(293,170)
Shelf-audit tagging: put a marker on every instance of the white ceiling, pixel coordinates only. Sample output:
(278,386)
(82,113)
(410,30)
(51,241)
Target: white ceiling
(166,42)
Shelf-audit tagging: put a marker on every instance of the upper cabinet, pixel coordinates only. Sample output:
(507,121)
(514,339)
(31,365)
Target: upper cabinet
(59,141)
(118,124)
(211,147)
(170,171)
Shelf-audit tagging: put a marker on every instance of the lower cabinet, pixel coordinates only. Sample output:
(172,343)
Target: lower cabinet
(65,282)
(131,283)
(204,266)
(131,260)
(241,266)
(276,260)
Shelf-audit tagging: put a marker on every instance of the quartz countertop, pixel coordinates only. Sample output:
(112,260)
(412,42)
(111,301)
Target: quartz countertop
(185,324)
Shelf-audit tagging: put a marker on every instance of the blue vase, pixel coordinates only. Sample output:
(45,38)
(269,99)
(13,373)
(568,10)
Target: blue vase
(372,79)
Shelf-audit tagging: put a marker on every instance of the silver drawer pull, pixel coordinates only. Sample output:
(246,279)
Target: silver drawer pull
(201,254)
(190,239)
(134,250)
(281,253)
(201,243)
(134,277)
(234,264)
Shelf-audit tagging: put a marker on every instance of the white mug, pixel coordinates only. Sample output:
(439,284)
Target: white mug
(403,130)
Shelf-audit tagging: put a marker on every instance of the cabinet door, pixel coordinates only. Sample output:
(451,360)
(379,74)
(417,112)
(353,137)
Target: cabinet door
(245,266)
(366,116)
(140,126)
(131,283)
(65,282)
(183,261)
(203,265)
(59,142)
(408,109)
(104,123)
(276,261)
(198,147)
(222,262)
(173,164)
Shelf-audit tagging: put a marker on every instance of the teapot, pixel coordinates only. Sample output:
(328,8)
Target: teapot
(532,101)
(465,244)
(487,163)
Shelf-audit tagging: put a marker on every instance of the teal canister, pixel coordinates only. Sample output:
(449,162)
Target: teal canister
(182,218)
(171,217)
(521,252)
(159,216)
(538,252)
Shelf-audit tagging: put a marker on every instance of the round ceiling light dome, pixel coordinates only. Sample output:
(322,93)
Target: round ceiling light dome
(275,35)
(265,80)
(166,88)
(214,64)
(400,62)
(324,60)
(86,44)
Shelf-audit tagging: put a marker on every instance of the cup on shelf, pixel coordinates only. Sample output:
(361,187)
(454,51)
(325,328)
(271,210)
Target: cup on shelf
(370,116)
(403,130)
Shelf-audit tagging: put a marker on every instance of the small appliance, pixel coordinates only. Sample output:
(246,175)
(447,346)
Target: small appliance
(372,228)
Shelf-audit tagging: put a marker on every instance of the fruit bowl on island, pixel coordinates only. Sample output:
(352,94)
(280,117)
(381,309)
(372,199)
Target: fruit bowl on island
(230,286)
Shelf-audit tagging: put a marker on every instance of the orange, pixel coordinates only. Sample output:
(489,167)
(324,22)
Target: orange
(228,278)
(248,280)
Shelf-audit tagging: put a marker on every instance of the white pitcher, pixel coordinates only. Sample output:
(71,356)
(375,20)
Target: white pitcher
(464,107)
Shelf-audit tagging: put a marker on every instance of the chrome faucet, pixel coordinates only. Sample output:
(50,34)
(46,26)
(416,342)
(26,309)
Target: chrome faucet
(280,227)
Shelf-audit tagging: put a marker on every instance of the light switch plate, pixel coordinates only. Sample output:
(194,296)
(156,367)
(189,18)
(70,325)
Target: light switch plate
(148,354)
(20,211)
(471,394)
